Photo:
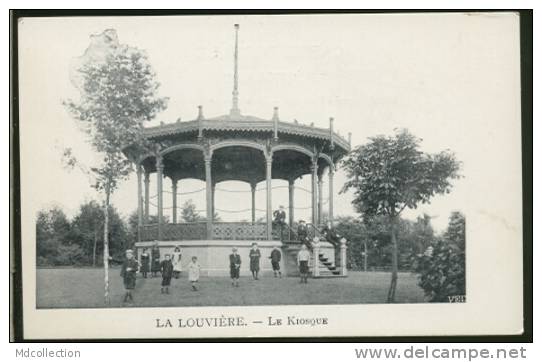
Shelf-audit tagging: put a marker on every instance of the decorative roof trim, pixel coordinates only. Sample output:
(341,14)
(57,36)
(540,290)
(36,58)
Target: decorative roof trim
(245,124)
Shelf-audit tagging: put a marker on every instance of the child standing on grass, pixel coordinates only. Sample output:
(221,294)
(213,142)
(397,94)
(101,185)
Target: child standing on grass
(255,256)
(303,258)
(275,261)
(155,260)
(145,257)
(176,260)
(193,272)
(166,267)
(128,274)
(235,266)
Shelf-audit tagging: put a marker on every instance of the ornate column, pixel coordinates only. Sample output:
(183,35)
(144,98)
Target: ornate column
(253,192)
(213,189)
(320,197)
(330,202)
(139,202)
(159,176)
(269,164)
(147,182)
(314,189)
(174,200)
(291,188)
(208,195)
(344,270)
(316,259)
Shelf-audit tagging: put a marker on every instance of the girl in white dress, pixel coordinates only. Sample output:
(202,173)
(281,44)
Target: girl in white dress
(176,260)
(193,272)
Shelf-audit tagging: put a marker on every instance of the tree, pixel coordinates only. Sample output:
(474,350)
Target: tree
(87,230)
(87,227)
(353,230)
(189,212)
(389,174)
(442,271)
(455,233)
(52,230)
(118,93)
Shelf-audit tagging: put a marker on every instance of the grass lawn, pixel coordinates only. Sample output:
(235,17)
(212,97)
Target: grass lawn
(83,288)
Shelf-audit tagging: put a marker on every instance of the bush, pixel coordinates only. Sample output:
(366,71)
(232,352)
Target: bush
(442,273)
(70,255)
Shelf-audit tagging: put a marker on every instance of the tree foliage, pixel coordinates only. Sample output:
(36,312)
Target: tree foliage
(391,173)
(371,236)
(118,94)
(60,241)
(52,230)
(442,271)
(189,212)
(87,230)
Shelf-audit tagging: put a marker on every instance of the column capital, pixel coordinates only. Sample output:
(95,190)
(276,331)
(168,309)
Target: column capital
(147,177)
(269,158)
(208,158)
(159,163)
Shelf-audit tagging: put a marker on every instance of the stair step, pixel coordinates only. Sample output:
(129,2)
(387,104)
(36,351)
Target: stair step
(329,276)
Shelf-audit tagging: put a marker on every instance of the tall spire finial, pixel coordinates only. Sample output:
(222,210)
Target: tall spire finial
(235,111)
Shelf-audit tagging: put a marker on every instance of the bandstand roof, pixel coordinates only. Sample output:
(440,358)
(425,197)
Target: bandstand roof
(239,145)
(249,124)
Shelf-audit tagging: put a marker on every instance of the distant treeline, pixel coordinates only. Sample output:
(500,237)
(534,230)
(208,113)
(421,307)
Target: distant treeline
(79,241)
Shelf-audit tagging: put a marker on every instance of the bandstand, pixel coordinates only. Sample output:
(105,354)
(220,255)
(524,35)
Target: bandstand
(238,147)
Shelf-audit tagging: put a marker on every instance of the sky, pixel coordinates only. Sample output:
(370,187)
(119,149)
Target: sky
(451,79)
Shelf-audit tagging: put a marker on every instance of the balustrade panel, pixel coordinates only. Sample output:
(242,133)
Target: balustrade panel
(149,232)
(185,231)
(198,231)
(239,231)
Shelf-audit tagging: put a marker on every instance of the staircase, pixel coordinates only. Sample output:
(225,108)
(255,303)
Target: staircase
(326,267)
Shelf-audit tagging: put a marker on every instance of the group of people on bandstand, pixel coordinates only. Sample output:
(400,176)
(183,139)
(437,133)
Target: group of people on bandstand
(330,234)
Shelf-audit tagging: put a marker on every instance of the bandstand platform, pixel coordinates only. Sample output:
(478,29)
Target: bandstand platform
(238,147)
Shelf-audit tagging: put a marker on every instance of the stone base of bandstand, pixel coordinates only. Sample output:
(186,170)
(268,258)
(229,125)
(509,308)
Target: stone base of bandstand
(213,255)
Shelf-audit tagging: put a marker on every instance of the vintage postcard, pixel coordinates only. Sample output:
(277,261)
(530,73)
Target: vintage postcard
(294,175)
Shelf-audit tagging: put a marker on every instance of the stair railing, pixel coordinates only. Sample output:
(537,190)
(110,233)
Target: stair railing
(315,232)
(289,234)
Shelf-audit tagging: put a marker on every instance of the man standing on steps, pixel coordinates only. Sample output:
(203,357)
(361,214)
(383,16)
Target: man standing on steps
(302,232)
(303,258)
(333,238)
(275,261)
(280,219)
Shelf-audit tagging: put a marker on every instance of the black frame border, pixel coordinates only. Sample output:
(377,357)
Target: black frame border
(526,54)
